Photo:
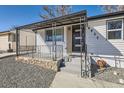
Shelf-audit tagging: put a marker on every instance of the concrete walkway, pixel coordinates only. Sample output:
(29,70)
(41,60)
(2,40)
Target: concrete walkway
(67,80)
(69,77)
(3,55)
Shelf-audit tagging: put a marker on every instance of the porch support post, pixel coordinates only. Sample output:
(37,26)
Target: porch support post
(54,41)
(83,45)
(81,48)
(35,46)
(35,41)
(85,48)
(17,42)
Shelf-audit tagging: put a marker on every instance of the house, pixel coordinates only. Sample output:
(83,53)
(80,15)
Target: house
(101,35)
(7,41)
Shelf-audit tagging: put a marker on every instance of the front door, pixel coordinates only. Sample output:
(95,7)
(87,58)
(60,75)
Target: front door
(76,38)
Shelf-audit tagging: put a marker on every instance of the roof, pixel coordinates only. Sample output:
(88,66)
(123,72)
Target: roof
(69,19)
(119,13)
(4,32)
(62,20)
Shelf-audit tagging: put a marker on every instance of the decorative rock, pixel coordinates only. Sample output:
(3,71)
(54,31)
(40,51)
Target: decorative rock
(121,81)
(48,64)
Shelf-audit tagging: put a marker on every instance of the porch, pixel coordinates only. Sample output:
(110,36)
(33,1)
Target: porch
(52,46)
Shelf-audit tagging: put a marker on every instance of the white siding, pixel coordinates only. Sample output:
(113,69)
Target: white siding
(41,42)
(102,46)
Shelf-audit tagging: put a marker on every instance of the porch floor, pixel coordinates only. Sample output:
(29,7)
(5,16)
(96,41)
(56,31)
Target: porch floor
(73,67)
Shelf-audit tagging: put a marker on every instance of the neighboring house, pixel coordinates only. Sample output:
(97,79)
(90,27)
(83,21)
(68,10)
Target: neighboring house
(7,41)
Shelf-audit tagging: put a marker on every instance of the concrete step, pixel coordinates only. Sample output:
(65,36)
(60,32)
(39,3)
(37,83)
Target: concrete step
(73,67)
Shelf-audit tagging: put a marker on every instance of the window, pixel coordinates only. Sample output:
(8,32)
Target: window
(48,35)
(59,35)
(114,29)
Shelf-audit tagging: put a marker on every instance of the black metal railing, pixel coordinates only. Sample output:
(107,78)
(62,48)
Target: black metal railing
(50,52)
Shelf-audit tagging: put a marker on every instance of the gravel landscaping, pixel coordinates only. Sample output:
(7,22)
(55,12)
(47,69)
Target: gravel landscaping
(112,74)
(20,75)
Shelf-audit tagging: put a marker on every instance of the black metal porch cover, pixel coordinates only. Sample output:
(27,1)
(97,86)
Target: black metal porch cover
(74,18)
(59,21)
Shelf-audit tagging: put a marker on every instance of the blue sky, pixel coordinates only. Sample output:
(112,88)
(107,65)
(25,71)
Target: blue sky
(11,16)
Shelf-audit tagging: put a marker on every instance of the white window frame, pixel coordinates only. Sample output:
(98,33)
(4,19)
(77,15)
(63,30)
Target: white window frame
(122,33)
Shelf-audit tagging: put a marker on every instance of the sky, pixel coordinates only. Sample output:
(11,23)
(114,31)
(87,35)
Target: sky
(17,15)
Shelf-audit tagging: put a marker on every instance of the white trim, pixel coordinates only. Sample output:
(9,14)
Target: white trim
(78,37)
(77,45)
(115,19)
(114,30)
(62,27)
(77,30)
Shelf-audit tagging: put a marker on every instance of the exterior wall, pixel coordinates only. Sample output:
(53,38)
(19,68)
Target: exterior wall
(103,47)
(14,46)
(4,44)
(27,37)
(46,45)
(40,38)
(69,40)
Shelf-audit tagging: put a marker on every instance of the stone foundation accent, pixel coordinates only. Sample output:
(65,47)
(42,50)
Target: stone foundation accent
(48,64)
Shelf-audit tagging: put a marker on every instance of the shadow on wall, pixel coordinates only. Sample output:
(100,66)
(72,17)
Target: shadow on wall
(99,45)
